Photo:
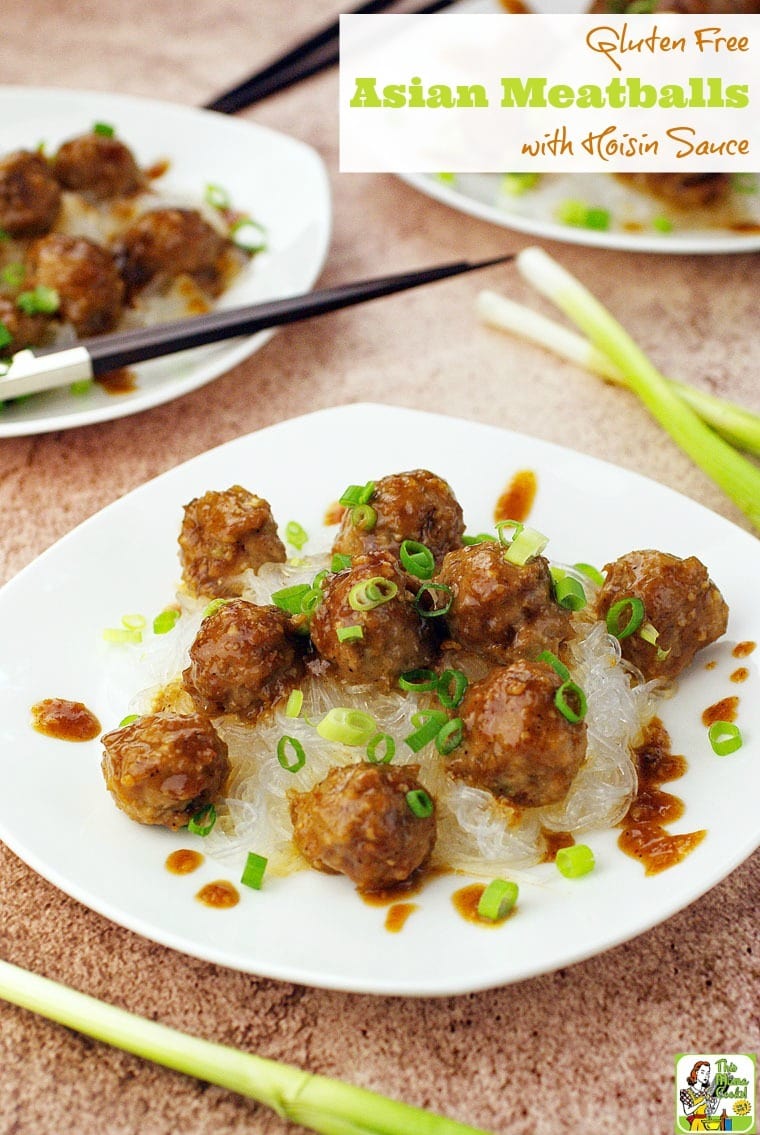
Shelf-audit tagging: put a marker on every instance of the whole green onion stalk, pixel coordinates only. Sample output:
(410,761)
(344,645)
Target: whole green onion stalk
(736,476)
(327,1106)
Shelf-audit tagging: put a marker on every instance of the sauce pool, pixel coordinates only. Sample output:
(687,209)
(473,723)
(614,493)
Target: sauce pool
(743,649)
(183,861)
(740,674)
(517,499)
(397,915)
(555,841)
(724,710)
(65,720)
(221,895)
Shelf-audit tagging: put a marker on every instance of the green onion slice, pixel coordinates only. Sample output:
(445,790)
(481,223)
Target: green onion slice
(591,573)
(350,634)
(294,703)
(428,724)
(203,821)
(13,275)
(552,660)
(417,559)
(340,562)
(572,862)
(347,726)
(253,872)
(128,719)
(122,635)
(508,530)
(289,599)
(39,301)
(312,598)
(568,592)
(618,611)
(451,687)
(364,517)
(214,606)
(450,736)
(296,534)
(388,751)
(134,622)
(419,680)
(480,538)
(5,336)
(725,737)
(104,129)
(299,759)
(564,707)
(248,235)
(216,196)
(420,803)
(526,544)
(357,494)
(81,387)
(371,593)
(430,589)
(165,621)
(497,900)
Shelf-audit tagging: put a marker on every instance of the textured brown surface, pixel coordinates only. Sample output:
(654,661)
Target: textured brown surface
(585,1049)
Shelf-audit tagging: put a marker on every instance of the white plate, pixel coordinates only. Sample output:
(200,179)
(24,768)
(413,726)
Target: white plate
(310,928)
(480,195)
(281,182)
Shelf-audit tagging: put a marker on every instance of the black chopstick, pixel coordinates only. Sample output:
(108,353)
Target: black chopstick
(108,352)
(312,55)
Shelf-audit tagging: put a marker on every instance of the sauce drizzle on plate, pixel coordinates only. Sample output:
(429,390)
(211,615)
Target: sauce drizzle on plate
(65,720)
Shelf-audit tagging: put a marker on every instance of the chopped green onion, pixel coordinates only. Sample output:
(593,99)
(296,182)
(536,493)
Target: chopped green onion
(103,129)
(166,621)
(526,544)
(389,750)
(248,235)
(641,6)
(420,803)
(650,634)
(428,724)
(508,526)
(295,534)
(591,573)
(81,387)
(312,599)
(350,634)
(480,538)
(451,687)
(575,861)
(285,742)
(446,178)
(662,224)
(430,590)
(497,900)
(340,562)
(128,719)
(450,736)
(253,872)
(357,494)
(122,635)
(39,301)
(320,578)
(294,703)
(744,183)
(552,660)
(216,196)
(203,821)
(134,622)
(417,559)
(598,219)
(568,592)
(364,517)
(617,612)
(347,726)
(5,336)
(515,184)
(725,737)
(580,215)
(13,275)
(289,599)
(5,235)
(419,680)
(214,606)
(564,707)
(372,593)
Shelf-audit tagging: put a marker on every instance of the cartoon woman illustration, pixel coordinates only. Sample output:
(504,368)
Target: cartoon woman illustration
(698,1101)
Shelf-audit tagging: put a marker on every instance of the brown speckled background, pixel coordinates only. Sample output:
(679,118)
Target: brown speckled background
(585,1049)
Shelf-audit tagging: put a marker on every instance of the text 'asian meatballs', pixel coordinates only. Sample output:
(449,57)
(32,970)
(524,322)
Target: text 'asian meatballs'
(404,506)
(85,278)
(502,610)
(367,626)
(243,659)
(165,767)
(223,534)
(681,604)
(167,243)
(30,197)
(360,821)
(97,165)
(517,744)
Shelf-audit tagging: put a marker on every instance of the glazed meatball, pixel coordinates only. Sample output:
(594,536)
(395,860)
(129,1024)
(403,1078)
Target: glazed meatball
(168,242)
(84,276)
(517,744)
(688,190)
(409,506)
(501,610)
(394,637)
(222,535)
(97,166)
(358,822)
(30,197)
(680,601)
(243,659)
(24,330)
(163,768)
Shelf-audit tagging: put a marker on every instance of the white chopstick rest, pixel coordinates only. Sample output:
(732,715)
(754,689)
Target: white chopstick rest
(31,374)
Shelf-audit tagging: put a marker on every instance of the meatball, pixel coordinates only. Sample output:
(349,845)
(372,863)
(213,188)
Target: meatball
(163,768)
(98,166)
(517,744)
(223,534)
(687,190)
(501,610)
(409,506)
(84,276)
(393,637)
(358,822)
(243,659)
(24,330)
(168,242)
(30,197)
(680,601)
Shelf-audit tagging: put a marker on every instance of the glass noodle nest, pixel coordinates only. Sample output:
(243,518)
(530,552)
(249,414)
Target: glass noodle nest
(476,833)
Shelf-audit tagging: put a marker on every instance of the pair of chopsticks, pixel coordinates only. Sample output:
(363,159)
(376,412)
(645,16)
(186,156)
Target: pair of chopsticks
(307,58)
(31,372)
